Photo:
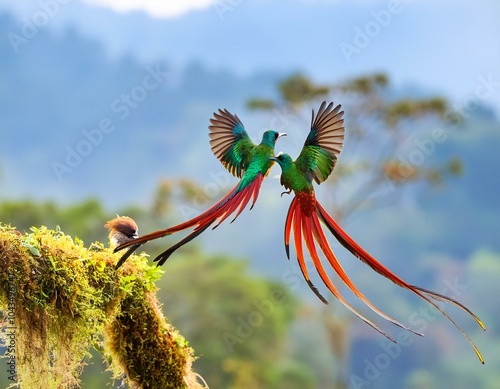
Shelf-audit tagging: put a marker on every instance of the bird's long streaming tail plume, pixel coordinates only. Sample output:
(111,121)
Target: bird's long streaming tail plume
(306,225)
(365,257)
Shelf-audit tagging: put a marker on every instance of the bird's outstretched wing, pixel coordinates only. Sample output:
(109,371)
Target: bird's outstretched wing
(230,142)
(233,147)
(323,144)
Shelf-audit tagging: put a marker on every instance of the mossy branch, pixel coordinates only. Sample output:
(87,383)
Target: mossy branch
(58,299)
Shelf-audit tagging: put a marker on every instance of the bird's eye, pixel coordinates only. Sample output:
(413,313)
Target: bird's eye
(276,135)
(280,157)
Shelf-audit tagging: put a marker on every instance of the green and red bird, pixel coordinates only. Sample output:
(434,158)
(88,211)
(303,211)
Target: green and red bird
(242,158)
(305,215)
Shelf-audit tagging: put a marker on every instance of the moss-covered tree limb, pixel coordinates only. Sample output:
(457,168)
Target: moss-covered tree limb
(59,298)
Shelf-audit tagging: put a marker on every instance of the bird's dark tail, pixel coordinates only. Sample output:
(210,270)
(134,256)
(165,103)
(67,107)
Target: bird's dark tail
(127,254)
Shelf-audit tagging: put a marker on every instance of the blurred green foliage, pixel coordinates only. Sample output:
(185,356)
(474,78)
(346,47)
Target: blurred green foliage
(237,322)
(262,104)
(414,108)
(298,88)
(228,315)
(84,220)
(366,84)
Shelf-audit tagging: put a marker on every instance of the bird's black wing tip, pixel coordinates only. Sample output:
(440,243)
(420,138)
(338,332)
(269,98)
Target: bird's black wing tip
(316,292)
(287,250)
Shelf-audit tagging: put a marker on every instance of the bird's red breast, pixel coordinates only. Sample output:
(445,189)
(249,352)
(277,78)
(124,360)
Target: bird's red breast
(307,202)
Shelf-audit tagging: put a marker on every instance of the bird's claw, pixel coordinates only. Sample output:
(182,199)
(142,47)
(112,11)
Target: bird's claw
(286,192)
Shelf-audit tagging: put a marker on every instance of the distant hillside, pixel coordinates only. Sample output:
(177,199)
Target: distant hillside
(58,90)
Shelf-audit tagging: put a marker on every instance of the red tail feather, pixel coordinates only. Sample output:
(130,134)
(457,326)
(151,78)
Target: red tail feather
(294,215)
(257,183)
(302,224)
(237,197)
(230,207)
(288,226)
(325,247)
(364,256)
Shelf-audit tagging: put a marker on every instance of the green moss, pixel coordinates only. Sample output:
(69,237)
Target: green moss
(63,298)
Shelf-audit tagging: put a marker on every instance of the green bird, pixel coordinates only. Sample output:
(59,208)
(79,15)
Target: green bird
(305,215)
(242,158)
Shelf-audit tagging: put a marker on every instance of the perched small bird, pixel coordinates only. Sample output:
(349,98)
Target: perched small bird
(122,229)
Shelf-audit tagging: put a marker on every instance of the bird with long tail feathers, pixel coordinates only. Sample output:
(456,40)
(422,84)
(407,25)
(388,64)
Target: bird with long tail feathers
(305,215)
(242,158)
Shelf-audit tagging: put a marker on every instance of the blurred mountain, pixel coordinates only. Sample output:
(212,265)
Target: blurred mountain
(58,93)
(302,35)
(78,122)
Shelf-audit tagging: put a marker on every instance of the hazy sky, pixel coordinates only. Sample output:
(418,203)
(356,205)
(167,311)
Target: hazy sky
(159,9)
(450,47)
